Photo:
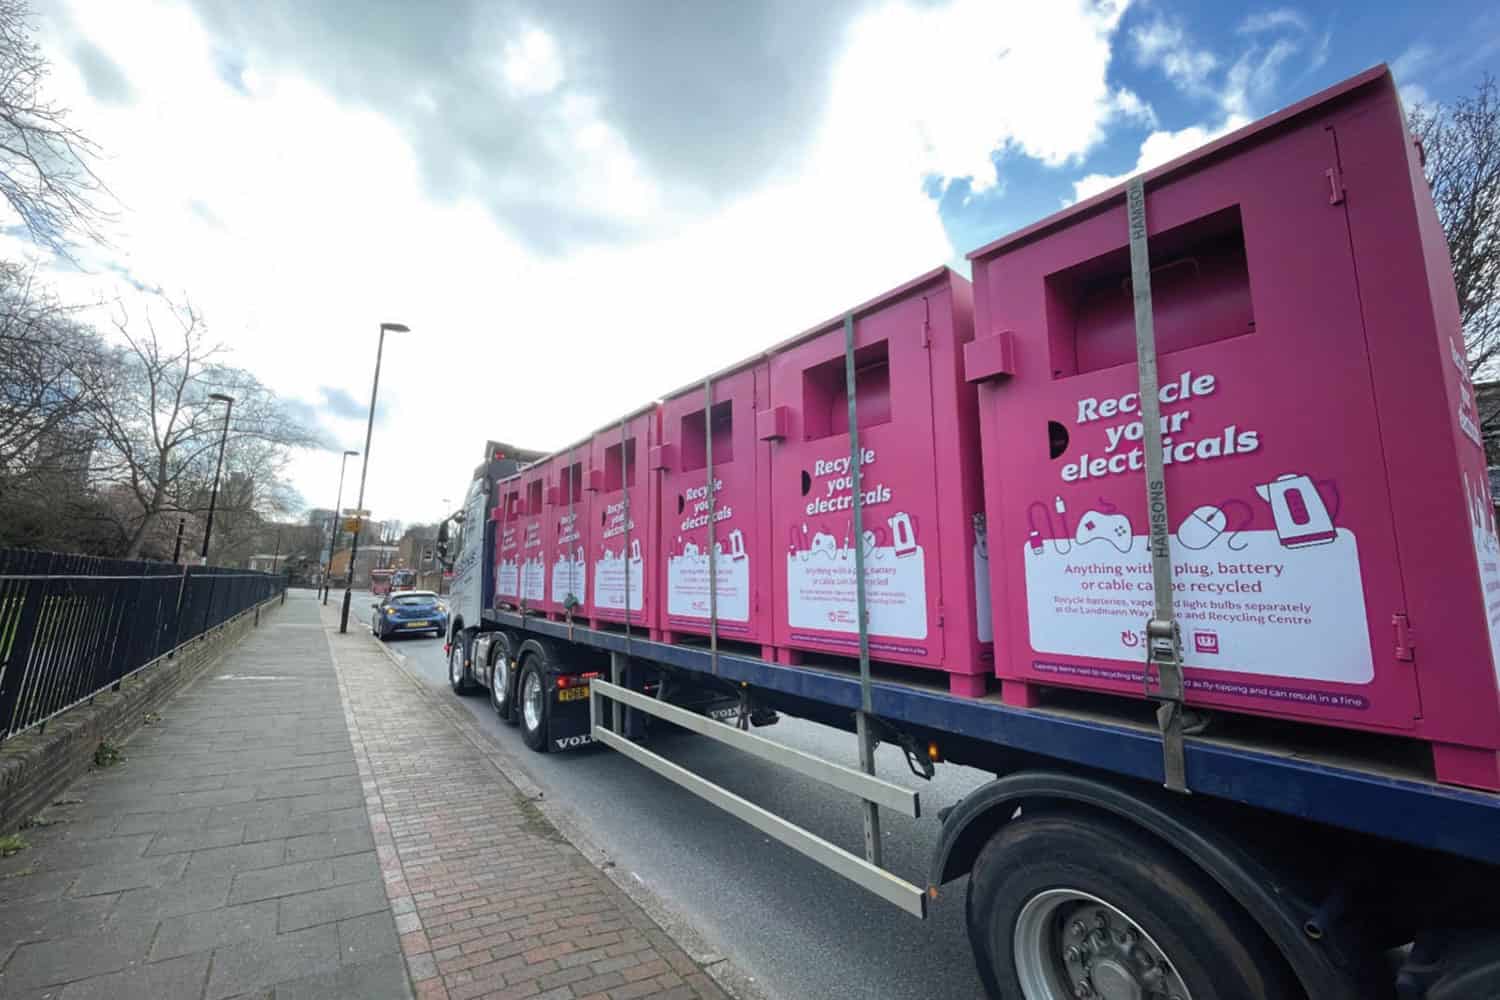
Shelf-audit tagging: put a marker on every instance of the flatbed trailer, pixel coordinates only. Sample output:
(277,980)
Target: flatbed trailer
(1126,849)
(1366,877)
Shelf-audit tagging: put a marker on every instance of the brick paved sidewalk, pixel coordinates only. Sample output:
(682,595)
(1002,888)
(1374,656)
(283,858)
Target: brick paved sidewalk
(490,900)
(229,854)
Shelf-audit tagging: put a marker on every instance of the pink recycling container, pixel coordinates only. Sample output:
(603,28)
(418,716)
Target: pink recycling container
(565,532)
(520,553)
(741,511)
(1332,533)
(621,547)
(924,533)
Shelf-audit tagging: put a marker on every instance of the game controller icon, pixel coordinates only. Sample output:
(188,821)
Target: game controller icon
(1112,528)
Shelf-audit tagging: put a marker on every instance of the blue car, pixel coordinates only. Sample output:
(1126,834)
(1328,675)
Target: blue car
(408,611)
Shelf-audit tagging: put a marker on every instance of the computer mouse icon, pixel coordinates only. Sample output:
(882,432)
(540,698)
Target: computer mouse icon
(1202,527)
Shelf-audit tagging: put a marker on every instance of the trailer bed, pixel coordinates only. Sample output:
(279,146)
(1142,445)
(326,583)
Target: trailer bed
(1369,789)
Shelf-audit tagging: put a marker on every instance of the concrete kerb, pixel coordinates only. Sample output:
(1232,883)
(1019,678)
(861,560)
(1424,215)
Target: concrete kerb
(729,977)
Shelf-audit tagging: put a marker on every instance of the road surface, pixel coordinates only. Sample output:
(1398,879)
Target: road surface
(798,929)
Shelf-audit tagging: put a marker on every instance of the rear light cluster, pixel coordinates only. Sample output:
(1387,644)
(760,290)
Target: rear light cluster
(577,680)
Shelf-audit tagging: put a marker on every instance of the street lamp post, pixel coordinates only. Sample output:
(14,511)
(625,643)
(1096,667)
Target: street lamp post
(364,468)
(333,529)
(213,497)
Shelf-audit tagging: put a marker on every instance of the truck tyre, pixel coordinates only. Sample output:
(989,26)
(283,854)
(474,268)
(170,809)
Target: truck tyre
(1471,970)
(458,673)
(502,684)
(1069,904)
(532,703)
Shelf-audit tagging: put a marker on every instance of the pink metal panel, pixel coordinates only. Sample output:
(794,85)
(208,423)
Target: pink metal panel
(1315,484)
(520,553)
(740,465)
(565,530)
(1436,470)
(921,485)
(620,551)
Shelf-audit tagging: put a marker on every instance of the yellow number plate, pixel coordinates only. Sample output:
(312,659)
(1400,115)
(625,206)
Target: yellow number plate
(418,624)
(573,693)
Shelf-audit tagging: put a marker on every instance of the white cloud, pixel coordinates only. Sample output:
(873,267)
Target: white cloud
(947,87)
(1166,46)
(1130,105)
(1275,36)
(1407,68)
(532,64)
(1158,148)
(325,229)
(1273,20)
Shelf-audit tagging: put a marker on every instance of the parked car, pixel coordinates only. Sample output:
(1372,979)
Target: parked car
(408,611)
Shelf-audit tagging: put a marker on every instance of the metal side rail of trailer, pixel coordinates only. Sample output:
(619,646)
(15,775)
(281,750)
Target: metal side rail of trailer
(1349,874)
(1372,801)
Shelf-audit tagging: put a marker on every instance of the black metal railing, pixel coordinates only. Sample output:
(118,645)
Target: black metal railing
(71,626)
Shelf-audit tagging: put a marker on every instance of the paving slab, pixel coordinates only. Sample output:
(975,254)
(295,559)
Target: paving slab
(490,899)
(228,854)
(304,822)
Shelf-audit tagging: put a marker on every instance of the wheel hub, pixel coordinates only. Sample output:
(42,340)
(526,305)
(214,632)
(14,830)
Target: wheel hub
(1068,943)
(531,705)
(1114,980)
(499,681)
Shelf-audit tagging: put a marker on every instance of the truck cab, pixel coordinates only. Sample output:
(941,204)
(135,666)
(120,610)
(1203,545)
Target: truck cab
(466,540)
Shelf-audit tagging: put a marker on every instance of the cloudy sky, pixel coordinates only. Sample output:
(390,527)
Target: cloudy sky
(577,206)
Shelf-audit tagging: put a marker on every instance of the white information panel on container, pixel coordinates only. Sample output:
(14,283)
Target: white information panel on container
(687,586)
(609,581)
(1251,606)
(821,593)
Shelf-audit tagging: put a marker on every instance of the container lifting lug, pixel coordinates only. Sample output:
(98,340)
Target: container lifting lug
(1335,186)
(1405,643)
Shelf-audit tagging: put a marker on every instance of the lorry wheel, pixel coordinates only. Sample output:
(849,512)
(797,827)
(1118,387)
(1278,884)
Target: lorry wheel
(1067,904)
(458,674)
(531,704)
(1471,970)
(501,688)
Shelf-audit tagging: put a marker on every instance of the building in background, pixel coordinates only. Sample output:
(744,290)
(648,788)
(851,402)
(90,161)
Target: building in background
(370,557)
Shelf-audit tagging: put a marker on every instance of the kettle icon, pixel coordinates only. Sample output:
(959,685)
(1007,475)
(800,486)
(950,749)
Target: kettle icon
(1298,510)
(736,544)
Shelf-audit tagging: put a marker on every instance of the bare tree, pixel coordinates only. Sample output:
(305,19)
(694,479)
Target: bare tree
(52,368)
(46,172)
(1461,141)
(162,432)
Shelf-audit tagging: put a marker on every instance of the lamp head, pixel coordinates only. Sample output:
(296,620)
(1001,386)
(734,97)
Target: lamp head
(221,397)
(395,328)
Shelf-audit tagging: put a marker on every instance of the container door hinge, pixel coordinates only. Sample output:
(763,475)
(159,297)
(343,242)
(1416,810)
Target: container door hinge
(926,334)
(1405,644)
(1335,186)
(940,614)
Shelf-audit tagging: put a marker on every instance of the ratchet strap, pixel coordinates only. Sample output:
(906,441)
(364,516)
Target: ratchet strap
(1163,638)
(572,591)
(625,466)
(713,498)
(863,720)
